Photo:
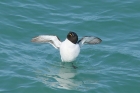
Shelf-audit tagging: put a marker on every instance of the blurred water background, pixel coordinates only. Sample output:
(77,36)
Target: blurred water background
(110,67)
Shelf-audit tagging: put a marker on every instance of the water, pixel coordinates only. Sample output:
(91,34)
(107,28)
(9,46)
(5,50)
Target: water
(110,67)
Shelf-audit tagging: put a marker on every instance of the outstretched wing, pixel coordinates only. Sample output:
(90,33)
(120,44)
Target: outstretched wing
(53,40)
(89,40)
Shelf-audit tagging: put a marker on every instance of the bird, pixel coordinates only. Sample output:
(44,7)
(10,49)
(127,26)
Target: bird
(70,47)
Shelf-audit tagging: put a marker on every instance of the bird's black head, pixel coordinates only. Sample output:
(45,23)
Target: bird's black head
(72,36)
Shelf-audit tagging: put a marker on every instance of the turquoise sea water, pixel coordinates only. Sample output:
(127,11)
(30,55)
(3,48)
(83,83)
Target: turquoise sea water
(110,67)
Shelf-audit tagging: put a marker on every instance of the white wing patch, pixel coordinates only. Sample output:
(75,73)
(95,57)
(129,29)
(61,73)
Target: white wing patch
(89,40)
(53,40)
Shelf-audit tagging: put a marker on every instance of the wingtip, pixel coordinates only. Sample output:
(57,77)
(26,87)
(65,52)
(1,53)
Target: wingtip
(96,40)
(33,40)
(100,40)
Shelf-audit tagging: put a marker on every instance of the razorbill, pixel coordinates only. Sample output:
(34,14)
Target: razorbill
(70,48)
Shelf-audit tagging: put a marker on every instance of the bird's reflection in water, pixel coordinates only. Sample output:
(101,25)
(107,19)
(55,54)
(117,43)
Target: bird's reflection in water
(67,71)
(64,78)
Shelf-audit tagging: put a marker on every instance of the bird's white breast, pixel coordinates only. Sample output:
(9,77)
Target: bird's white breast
(69,51)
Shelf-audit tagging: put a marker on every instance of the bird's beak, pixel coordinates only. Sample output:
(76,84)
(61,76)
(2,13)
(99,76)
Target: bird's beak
(70,34)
